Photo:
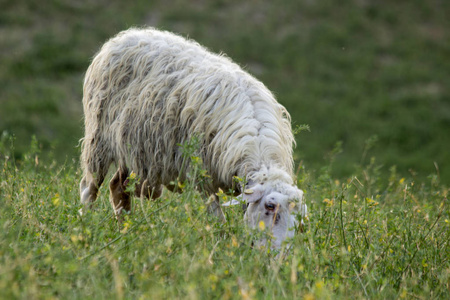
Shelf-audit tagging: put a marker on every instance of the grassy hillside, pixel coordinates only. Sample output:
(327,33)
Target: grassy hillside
(370,78)
(354,71)
(367,237)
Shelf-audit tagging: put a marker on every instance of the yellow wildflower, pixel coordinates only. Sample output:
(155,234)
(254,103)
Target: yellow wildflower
(56,200)
(262,226)
(328,202)
(234,241)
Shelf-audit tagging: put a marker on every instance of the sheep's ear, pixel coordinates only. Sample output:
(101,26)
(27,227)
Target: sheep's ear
(253,194)
(296,204)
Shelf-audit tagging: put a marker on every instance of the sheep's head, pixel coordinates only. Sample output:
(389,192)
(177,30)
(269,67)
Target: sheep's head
(277,204)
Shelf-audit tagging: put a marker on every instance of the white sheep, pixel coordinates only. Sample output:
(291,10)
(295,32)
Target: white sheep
(148,91)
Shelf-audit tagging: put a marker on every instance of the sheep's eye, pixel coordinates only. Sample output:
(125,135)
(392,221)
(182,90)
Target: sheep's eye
(269,206)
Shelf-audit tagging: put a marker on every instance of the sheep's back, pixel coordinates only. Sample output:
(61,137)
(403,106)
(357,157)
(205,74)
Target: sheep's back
(148,91)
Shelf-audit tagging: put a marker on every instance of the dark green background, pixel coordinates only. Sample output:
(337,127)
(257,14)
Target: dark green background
(351,70)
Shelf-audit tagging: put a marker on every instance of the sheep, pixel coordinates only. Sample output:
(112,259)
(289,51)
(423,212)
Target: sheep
(148,91)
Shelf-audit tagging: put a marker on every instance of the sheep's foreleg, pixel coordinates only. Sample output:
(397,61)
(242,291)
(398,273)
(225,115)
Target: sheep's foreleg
(145,190)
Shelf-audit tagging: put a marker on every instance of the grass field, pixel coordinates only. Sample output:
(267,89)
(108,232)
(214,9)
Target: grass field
(351,71)
(366,237)
(370,78)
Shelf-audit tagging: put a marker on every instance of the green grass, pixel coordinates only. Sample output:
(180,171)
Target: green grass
(367,237)
(350,70)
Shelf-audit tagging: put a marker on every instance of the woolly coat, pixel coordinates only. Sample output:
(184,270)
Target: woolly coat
(147,91)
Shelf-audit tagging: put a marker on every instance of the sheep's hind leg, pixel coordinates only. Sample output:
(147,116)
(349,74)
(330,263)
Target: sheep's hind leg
(118,196)
(89,186)
(95,164)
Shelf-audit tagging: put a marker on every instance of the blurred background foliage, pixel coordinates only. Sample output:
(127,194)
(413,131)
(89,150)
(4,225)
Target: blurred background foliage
(370,78)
